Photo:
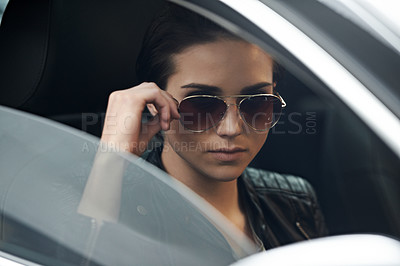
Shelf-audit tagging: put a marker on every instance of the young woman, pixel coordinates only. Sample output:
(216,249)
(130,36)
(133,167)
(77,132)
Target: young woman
(213,97)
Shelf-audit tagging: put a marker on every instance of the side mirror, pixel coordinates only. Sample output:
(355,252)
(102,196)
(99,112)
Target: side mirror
(349,250)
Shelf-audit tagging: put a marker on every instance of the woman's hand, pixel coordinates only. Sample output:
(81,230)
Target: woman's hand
(123,128)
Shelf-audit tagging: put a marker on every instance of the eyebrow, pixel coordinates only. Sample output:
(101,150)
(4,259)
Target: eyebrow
(256,88)
(203,88)
(217,90)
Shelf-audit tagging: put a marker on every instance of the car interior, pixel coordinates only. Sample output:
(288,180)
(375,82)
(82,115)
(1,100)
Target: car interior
(61,60)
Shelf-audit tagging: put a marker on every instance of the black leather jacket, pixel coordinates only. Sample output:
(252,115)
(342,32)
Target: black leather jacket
(281,209)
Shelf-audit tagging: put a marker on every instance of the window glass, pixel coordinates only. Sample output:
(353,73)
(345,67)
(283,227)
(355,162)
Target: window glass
(3,4)
(44,168)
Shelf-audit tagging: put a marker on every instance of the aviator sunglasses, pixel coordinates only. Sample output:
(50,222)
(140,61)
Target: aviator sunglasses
(202,112)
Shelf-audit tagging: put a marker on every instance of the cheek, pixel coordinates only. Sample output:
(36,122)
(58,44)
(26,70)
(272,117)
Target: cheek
(257,140)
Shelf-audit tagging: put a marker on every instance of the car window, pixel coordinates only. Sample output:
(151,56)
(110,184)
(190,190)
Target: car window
(3,4)
(44,168)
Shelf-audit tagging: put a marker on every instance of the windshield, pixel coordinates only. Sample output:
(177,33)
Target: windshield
(44,168)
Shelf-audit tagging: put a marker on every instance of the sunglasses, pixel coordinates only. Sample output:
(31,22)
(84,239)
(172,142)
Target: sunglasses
(202,112)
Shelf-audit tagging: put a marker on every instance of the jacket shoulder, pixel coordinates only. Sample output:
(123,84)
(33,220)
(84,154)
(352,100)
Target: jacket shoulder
(262,180)
(288,198)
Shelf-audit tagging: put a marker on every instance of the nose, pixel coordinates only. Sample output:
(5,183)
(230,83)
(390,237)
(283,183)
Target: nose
(231,124)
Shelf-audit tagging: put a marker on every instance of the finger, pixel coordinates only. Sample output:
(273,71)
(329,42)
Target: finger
(153,111)
(151,94)
(173,105)
(164,104)
(164,114)
(150,128)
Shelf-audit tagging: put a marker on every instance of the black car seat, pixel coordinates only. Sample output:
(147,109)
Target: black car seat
(61,59)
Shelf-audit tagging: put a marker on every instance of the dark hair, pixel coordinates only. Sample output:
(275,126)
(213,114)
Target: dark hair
(174,30)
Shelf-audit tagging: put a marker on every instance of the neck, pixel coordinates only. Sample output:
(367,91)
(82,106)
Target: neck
(222,195)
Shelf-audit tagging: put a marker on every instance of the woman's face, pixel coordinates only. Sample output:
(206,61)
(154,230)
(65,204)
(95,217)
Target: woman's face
(222,68)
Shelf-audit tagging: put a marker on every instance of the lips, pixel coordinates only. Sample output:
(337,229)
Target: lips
(228,154)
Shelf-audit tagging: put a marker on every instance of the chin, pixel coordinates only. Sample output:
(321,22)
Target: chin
(225,173)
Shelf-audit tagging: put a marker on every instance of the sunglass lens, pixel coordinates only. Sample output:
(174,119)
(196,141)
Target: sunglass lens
(201,113)
(261,112)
